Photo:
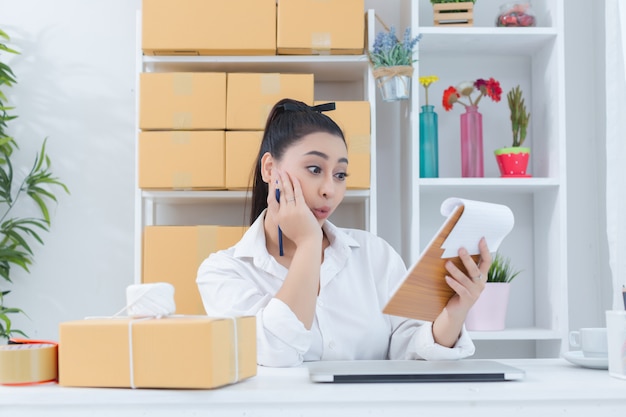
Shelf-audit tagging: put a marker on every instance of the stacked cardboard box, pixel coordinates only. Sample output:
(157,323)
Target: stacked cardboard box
(253,27)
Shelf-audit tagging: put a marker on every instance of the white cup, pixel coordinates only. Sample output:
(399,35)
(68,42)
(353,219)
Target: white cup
(592,341)
(616,337)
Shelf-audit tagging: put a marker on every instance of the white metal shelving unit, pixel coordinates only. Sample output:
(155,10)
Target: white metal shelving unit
(532,57)
(337,77)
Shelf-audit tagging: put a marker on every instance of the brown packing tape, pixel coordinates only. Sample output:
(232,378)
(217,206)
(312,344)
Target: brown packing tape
(22,364)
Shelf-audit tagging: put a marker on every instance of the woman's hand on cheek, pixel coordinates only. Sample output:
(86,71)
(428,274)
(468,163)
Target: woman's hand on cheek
(294,216)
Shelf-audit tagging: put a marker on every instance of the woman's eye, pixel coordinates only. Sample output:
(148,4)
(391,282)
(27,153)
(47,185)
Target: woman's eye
(314,169)
(341,176)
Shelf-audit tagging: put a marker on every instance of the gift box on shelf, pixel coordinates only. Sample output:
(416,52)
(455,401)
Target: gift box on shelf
(172,352)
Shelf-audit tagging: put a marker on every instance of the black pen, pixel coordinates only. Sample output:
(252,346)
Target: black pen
(280,232)
(624,295)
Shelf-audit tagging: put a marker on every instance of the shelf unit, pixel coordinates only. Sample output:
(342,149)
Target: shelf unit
(337,77)
(533,58)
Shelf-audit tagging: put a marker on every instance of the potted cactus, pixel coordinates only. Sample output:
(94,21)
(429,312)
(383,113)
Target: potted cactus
(513,160)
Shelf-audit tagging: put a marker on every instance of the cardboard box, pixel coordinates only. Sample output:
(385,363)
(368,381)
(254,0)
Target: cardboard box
(174,253)
(209,27)
(173,352)
(251,96)
(313,27)
(353,117)
(181,160)
(182,100)
(242,149)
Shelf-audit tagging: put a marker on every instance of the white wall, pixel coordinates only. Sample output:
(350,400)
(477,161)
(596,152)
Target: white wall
(76,85)
(76,81)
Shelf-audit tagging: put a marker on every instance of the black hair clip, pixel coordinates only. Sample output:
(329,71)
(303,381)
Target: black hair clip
(319,108)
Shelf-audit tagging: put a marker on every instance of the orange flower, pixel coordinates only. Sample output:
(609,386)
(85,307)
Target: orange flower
(450,96)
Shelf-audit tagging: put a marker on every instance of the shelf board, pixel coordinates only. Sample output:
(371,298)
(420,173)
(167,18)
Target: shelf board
(516,334)
(485,40)
(224,196)
(340,68)
(495,184)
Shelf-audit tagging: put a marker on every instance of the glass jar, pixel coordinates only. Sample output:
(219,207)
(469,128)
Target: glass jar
(516,15)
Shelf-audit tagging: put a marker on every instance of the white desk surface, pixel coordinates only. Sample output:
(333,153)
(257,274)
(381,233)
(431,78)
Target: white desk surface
(551,387)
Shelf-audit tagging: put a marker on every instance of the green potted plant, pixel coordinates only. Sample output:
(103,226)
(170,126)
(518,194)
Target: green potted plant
(392,63)
(453,12)
(489,311)
(17,230)
(513,160)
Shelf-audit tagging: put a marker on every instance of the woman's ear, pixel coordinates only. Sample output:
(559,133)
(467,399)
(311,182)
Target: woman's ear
(267,165)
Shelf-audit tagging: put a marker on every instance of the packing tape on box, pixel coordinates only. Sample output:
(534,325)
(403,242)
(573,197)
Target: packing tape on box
(28,362)
(270,84)
(182,120)
(321,43)
(182,84)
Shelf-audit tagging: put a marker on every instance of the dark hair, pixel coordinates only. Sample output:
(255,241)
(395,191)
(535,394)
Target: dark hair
(288,121)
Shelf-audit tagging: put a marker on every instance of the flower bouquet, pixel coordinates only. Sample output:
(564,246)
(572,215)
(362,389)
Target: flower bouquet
(472,164)
(392,62)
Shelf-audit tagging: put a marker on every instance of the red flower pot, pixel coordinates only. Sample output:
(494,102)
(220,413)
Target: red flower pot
(513,162)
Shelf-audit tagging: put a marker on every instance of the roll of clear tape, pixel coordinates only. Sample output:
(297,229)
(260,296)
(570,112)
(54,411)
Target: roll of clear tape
(154,299)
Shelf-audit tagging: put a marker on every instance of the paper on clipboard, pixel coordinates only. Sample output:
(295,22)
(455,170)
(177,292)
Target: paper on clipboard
(493,221)
(423,292)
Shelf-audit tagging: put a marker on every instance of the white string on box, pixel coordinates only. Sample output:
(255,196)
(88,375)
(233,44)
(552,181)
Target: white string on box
(144,302)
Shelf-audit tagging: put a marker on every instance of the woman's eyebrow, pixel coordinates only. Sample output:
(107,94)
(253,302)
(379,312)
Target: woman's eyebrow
(323,155)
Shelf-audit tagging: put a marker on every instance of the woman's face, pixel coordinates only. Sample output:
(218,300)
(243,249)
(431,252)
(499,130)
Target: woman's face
(320,162)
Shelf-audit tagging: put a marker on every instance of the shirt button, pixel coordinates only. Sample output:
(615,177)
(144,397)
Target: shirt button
(320,303)
(331,345)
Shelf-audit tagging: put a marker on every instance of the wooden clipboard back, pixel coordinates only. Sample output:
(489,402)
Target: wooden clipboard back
(424,292)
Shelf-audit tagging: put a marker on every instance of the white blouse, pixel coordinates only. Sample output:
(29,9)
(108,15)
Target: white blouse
(357,276)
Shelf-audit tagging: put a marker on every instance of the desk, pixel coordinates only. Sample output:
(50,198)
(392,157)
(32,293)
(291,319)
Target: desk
(551,387)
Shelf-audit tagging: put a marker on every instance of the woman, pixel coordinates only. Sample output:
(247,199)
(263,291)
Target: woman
(317,290)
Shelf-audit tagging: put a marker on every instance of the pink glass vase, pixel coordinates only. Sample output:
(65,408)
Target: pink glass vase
(472,143)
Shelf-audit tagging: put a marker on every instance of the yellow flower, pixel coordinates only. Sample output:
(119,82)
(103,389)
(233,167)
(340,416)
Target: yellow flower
(426,81)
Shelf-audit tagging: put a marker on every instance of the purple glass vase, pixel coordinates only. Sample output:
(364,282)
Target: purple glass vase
(472,143)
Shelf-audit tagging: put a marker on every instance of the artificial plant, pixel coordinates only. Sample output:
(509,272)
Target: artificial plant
(17,231)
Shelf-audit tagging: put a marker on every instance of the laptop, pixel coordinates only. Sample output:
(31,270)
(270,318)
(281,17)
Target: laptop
(466,370)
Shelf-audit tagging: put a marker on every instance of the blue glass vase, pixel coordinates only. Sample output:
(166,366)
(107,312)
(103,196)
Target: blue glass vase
(429,148)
